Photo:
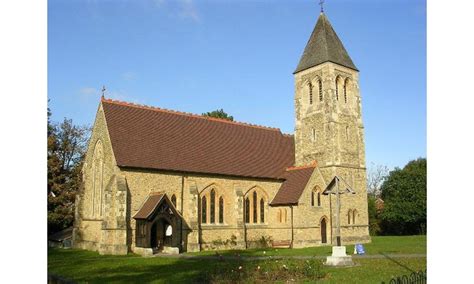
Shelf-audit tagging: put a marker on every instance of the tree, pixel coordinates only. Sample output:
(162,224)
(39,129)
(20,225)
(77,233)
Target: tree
(376,176)
(66,149)
(404,195)
(374,218)
(219,113)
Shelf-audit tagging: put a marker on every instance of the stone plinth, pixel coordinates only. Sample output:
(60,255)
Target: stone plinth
(339,257)
(143,251)
(170,250)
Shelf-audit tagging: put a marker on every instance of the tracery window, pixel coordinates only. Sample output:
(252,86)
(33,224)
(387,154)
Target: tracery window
(316,192)
(97,180)
(310,86)
(255,208)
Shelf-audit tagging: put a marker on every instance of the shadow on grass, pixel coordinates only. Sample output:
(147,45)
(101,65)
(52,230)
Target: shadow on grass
(84,266)
(397,262)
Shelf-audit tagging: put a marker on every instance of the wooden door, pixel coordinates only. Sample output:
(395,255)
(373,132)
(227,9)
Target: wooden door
(323,231)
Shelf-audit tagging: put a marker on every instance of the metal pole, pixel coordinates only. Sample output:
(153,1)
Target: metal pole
(338,209)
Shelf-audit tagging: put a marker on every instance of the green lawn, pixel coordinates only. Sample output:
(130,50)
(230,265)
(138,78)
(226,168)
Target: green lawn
(86,266)
(379,245)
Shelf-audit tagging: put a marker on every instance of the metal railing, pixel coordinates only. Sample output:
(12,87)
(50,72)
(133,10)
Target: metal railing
(417,277)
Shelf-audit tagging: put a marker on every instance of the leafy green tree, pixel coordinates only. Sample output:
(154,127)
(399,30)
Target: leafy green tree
(66,149)
(374,218)
(219,113)
(404,195)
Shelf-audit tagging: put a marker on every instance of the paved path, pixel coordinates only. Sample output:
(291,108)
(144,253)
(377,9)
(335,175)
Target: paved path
(235,257)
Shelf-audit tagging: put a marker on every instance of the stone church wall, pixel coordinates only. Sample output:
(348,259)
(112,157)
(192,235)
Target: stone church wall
(100,219)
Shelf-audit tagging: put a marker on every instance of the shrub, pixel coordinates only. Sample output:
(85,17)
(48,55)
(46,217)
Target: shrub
(267,271)
(264,242)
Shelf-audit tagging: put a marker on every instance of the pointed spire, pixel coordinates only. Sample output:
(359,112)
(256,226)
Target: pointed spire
(324,46)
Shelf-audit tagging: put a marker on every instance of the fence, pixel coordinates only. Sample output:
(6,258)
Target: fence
(414,278)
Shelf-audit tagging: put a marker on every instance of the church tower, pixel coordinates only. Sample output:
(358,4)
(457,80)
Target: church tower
(329,125)
(329,128)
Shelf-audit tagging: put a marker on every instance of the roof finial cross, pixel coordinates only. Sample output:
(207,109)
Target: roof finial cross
(103,91)
(321,2)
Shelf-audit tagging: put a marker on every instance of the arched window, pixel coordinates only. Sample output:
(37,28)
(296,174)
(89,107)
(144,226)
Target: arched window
(221,210)
(354,216)
(349,216)
(204,210)
(254,207)
(310,87)
(320,83)
(339,86)
(262,211)
(316,191)
(345,90)
(285,215)
(213,206)
(97,178)
(247,210)
(173,200)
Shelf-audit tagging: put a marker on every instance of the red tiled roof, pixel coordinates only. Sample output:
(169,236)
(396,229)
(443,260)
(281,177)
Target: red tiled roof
(153,200)
(292,188)
(153,138)
(149,206)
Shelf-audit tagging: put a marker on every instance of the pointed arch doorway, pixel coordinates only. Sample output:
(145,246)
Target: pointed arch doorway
(158,234)
(323,226)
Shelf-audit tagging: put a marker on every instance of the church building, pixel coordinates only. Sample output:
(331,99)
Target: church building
(161,180)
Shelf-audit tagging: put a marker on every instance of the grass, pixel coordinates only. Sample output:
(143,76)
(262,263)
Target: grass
(85,266)
(379,245)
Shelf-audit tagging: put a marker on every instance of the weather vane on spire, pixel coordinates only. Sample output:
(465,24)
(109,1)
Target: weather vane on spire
(103,91)
(321,2)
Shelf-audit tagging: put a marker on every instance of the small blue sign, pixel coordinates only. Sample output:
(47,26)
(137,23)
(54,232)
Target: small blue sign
(360,249)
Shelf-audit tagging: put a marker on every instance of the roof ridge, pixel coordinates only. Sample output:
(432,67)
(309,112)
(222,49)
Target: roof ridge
(313,164)
(123,103)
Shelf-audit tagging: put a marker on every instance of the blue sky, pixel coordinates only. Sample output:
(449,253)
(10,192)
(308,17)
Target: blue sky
(200,55)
